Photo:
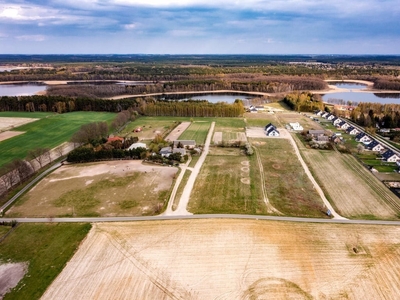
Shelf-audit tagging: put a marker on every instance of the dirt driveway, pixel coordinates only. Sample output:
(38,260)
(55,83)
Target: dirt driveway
(174,135)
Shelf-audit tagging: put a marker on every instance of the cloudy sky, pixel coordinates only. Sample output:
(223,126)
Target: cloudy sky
(200,26)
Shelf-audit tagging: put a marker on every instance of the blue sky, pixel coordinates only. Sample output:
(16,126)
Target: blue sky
(200,27)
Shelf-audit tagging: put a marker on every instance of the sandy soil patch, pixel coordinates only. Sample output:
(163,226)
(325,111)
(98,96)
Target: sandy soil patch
(217,138)
(174,135)
(258,132)
(8,123)
(114,188)
(232,259)
(10,275)
(9,134)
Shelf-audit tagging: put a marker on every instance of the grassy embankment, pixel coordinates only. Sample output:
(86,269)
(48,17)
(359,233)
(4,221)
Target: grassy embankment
(46,248)
(47,132)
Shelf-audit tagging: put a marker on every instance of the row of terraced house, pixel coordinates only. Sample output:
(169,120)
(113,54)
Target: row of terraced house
(360,136)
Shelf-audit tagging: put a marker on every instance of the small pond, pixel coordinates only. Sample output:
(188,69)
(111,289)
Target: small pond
(348,85)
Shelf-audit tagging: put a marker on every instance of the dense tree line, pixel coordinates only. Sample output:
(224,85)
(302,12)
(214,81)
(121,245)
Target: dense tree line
(88,154)
(387,84)
(194,108)
(304,101)
(145,106)
(376,114)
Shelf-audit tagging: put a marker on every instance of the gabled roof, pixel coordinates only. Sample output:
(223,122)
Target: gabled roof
(271,129)
(350,128)
(389,153)
(372,145)
(360,135)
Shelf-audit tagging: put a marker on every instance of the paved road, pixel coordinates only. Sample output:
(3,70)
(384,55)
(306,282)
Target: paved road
(29,185)
(192,217)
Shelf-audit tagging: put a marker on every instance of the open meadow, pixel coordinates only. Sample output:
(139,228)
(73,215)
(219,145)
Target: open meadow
(293,117)
(225,185)
(354,191)
(48,132)
(197,131)
(287,185)
(44,249)
(115,188)
(232,259)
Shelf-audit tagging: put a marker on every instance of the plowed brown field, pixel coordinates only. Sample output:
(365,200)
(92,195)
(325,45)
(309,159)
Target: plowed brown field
(233,259)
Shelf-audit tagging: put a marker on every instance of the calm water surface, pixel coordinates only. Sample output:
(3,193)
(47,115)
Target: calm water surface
(348,85)
(384,98)
(20,89)
(215,98)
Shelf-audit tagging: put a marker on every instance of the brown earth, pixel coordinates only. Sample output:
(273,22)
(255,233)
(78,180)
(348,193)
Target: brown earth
(9,134)
(232,259)
(7,123)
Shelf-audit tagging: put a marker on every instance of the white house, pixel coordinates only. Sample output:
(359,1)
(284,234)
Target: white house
(272,132)
(337,121)
(296,126)
(390,156)
(331,117)
(375,146)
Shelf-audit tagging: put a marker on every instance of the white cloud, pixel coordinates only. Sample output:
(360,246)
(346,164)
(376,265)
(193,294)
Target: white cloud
(33,38)
(130,26)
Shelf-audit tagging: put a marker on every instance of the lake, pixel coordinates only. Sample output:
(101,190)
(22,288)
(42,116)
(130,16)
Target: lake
(215,98)
(384,98)
(348,85)
(21,89)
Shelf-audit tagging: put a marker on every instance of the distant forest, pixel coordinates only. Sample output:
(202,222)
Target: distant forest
(145,106)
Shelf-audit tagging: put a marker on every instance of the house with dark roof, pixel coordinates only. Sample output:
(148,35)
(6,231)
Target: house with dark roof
(362,137)
(375,146)
(271,130)
(352,130)
(391,156)
(166,151)
(336,121)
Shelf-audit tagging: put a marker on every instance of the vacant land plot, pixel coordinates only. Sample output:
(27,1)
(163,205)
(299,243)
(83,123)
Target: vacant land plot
(224,185)
(10,123)
(197,131)
(232,259)
(44,249)
(259,120)
(288,187)
(116,188)
(150,127)
(5,135)
(47,133)
(292,117)
(355,192)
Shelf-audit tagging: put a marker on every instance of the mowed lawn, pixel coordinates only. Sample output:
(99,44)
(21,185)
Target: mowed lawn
(47,132)
(287,185)
(197,131)
(224,185)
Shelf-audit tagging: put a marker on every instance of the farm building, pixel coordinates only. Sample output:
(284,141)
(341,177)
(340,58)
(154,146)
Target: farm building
(188,144)
(166,151)
(182,151)
(114,139)
(390,156)
(316,132)
(322,138)
(137,145)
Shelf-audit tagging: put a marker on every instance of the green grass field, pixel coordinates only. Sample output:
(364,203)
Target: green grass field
(196,131)
(47,133)
(288,188)
(224,185)
(46,248)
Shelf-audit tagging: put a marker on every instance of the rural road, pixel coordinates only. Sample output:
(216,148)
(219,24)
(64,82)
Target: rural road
(29,185)
(311,177)
(184,200)
(205,216)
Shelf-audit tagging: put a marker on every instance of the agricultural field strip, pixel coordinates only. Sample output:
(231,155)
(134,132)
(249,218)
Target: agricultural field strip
(270,207)
(364,199)
(311,177)
(383,192)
